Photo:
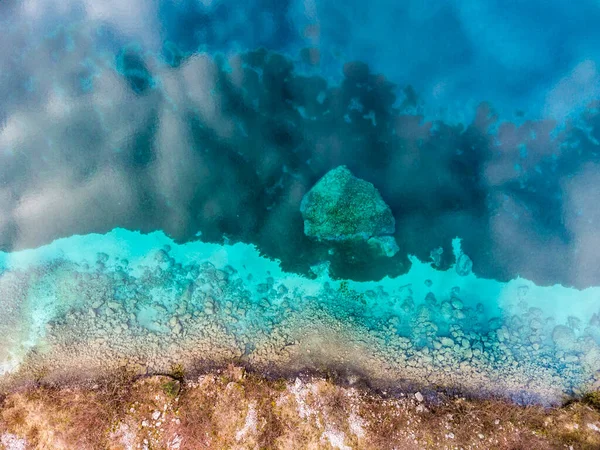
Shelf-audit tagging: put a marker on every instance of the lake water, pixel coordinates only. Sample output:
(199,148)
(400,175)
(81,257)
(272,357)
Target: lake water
(172,191)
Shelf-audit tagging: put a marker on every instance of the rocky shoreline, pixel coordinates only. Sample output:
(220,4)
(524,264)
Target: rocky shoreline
(232,408)
(151,316)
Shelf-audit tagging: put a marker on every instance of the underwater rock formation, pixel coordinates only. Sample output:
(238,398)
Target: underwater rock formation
(342,207)
(144,300)
(464,265)
(385,245)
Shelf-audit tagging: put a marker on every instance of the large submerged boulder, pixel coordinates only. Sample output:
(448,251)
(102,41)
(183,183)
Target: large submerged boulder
(342,207)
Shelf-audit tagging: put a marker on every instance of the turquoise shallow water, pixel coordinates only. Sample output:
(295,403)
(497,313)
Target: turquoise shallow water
(91,302)
(162,193)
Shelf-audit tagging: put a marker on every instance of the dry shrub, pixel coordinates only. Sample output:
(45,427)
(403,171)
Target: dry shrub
(208,414)
(196,409)
(592,399)
(264,394)
(271,428)
(385,421)
(53,417)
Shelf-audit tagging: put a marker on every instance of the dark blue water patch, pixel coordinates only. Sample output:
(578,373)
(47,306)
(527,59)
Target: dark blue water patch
(131,65)
(30,84)
(7,8)
(195,26)
(264,132)
(107,38)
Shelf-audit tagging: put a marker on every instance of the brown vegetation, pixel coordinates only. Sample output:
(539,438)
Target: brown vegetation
(232,409)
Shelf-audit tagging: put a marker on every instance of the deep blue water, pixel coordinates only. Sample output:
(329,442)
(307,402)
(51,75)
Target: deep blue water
(206,123)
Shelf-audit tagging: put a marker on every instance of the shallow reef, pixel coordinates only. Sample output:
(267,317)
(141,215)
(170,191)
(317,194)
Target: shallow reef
(148,303)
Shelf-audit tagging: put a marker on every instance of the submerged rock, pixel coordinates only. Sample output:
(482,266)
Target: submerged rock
(321,269)
(564,338)
(464,265)
(385,245)
(436,256)
(341,207)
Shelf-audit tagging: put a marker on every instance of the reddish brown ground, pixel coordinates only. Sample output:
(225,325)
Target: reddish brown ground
(230,409)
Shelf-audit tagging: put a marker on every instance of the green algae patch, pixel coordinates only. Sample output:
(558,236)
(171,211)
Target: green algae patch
(592,399)
(171,388)
(177,371)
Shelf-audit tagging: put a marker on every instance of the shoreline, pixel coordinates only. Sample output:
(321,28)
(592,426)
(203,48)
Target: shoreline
(148,302)
(230,407)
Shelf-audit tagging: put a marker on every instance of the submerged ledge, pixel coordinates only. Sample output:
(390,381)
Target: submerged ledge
(84,306)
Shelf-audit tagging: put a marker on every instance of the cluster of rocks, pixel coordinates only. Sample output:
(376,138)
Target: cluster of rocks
(185,314)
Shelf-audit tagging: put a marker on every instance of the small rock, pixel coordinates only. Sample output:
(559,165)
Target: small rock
(385,245)
(436,256)
(457,304)
(447,342)
(419,397)
(593,427)
(321,269)
(464,265)
(114,305)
